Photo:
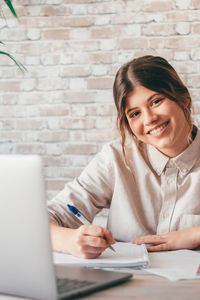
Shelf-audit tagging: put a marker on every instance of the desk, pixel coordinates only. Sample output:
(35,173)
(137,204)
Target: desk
(144,287)
(150,287)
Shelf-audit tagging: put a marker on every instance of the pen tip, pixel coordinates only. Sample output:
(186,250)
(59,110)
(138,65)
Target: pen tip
(112,248)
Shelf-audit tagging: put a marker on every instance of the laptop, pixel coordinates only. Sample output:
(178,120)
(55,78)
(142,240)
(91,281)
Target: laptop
(26,264)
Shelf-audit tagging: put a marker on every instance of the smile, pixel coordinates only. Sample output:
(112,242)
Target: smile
(158,129)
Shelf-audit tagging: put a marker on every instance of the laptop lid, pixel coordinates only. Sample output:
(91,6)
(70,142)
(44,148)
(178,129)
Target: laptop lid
(26,267)
(25,258)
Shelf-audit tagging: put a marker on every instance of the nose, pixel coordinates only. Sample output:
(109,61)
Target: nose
(149,117)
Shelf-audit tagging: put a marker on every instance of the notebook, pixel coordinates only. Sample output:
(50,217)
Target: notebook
(26,264)
(127,255)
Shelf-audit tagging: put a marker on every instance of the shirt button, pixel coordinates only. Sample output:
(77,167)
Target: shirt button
(169,181)
(165,215)
(184,170)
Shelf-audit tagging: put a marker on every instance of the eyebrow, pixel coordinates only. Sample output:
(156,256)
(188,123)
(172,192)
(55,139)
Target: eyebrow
(149,99)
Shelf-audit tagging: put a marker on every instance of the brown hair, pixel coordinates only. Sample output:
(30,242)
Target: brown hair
(154,73)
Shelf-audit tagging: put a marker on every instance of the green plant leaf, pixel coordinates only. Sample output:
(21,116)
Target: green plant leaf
(20,66)
(9,3)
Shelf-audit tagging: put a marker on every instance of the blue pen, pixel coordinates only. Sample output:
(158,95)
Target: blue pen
(77,213)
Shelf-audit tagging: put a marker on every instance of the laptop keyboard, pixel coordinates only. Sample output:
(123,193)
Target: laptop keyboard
(66,285)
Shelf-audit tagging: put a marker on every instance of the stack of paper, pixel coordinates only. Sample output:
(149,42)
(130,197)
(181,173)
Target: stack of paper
(126,255)
(175,265)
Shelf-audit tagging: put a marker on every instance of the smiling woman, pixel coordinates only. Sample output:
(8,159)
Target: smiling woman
(153,80)
(160,149)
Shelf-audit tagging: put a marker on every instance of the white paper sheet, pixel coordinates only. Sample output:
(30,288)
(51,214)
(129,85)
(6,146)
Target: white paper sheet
(175,265)
(126,255)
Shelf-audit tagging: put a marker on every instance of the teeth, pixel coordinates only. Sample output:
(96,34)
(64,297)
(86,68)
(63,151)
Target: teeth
(157,130)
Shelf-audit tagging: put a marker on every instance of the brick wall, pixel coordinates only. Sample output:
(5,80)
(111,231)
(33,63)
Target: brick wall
(62,108)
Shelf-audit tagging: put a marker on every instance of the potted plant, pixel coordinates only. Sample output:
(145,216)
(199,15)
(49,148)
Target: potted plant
(19,65)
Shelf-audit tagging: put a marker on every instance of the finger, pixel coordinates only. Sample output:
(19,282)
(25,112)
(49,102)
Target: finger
(90,255)
(86,251)
(161,247)
(93,241)
(109,237)
(149,239)
(92,250)
(92,230)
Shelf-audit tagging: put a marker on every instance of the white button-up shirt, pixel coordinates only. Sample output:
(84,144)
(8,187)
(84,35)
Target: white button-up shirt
(165,196)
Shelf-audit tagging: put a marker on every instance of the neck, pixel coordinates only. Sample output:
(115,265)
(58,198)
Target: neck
(173,152)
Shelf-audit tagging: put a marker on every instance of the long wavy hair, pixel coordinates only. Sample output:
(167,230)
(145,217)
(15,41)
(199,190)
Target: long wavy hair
(154,73)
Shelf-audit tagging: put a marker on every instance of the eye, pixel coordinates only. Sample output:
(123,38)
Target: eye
(156,101)
(134,114)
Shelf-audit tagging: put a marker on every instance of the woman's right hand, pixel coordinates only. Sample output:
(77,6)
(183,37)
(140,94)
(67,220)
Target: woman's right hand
(87,241)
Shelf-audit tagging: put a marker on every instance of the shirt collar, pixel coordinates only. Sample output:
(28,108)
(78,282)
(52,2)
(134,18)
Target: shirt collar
(157,160)
(184,161)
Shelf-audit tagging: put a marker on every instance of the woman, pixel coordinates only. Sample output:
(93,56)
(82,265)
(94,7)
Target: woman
(149,179)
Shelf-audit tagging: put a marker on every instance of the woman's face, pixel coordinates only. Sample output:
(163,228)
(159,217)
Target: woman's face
(156,120)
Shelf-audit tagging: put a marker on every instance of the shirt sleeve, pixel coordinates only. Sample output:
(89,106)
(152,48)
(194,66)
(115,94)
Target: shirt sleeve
(90,192)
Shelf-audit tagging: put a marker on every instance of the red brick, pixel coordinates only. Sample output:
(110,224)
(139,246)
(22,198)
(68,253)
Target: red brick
(158,29)
(181,16)
(55,11)
(36,21)
(56,34)
(74,21)
(9,86)
(54,110)
(100,83)
(55,184)
(54,136)
(158,6)
(195,4)
(195,28)
(75,71)
(182,42)
(106,32)
(138,42)
(103,57)
(77,148)
(77,123)
(20,11)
